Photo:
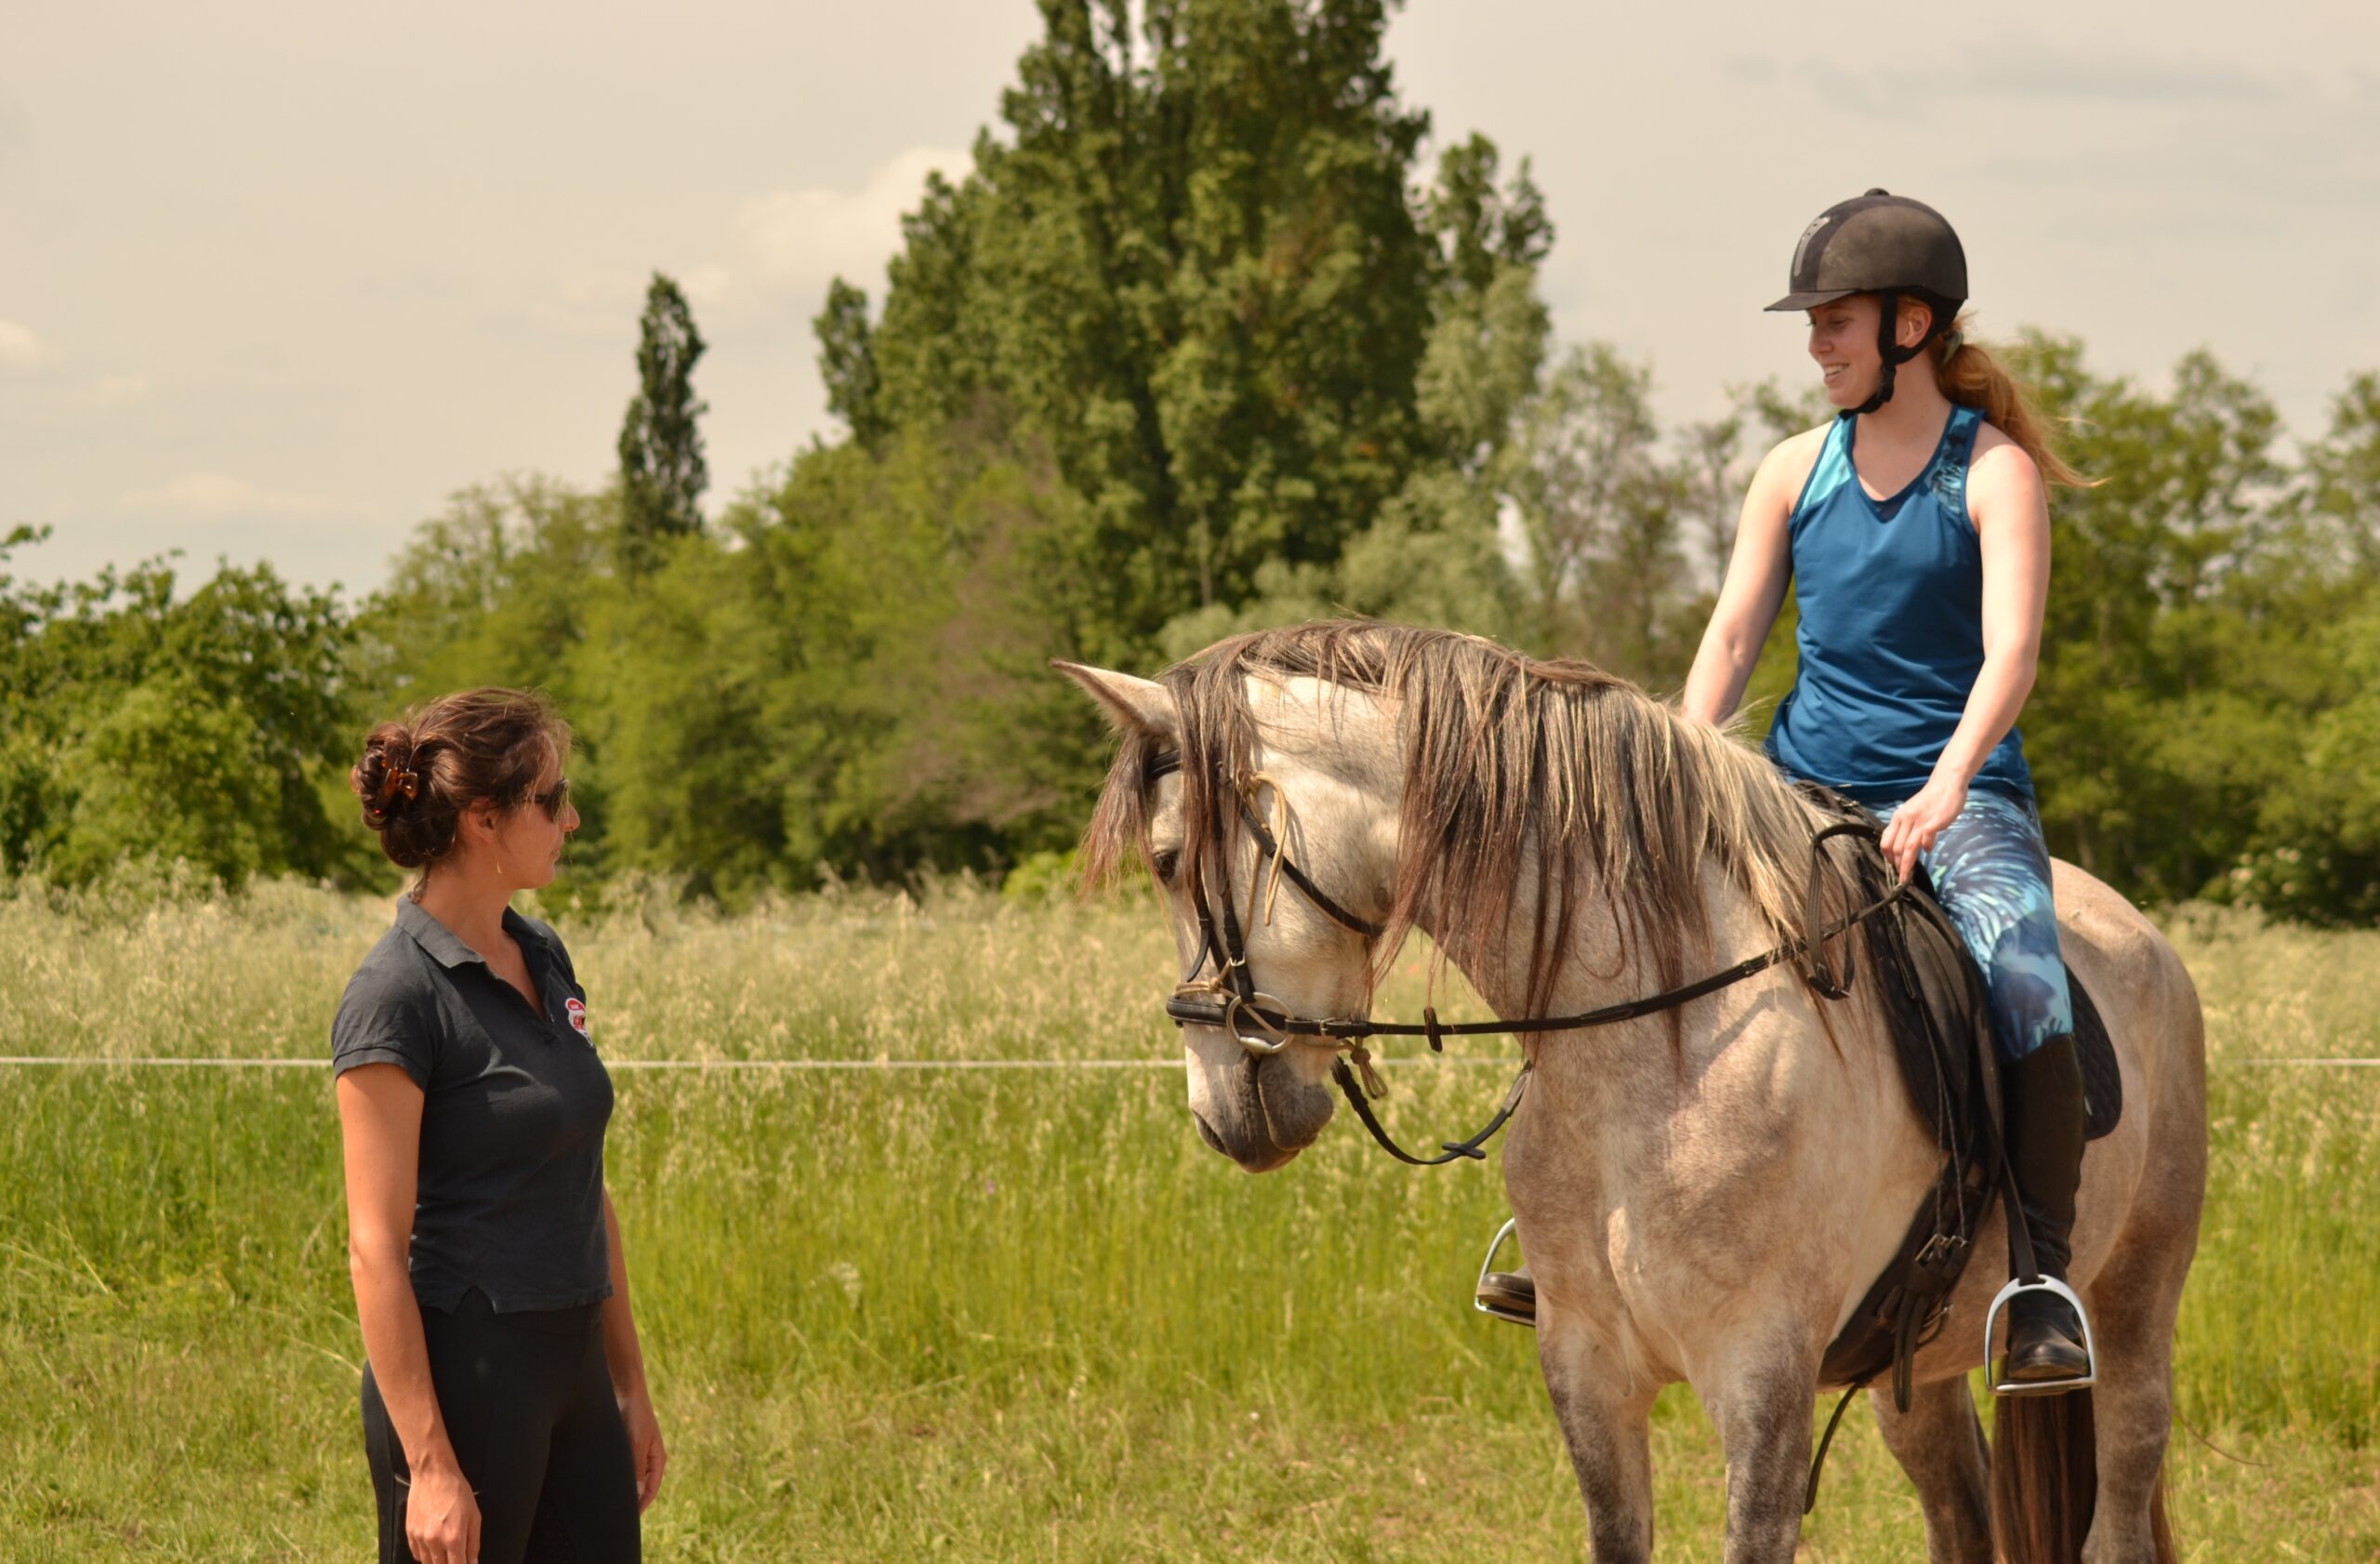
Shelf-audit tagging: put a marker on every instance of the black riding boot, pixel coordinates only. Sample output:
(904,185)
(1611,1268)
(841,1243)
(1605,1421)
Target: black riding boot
(2046,1122)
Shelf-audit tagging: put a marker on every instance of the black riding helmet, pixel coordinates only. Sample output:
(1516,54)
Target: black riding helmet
(1886,245)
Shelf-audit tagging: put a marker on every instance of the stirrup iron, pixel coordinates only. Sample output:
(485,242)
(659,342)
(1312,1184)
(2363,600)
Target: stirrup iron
(1487,1266)
(2017,1286)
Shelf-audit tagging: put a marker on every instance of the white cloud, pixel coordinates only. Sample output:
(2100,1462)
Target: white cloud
(19,348)
(784,245)
(214,495)
(115,391)
(793,241)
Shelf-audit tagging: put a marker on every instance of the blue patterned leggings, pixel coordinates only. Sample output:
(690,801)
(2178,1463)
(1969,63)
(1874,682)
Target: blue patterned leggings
(1990,867)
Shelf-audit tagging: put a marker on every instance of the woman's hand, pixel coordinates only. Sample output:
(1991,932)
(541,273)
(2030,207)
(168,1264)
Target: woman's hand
(644,1446)
(1914,824)
(442,1516)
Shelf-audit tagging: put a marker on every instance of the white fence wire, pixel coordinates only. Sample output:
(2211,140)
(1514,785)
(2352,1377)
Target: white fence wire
(829,1066)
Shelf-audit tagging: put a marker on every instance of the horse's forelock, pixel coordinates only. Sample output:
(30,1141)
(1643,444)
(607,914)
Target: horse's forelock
(1119,832)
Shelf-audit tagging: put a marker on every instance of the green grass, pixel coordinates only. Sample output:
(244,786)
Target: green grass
(998,1317)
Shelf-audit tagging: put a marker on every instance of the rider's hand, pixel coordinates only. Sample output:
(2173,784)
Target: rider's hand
(644,1446)
(1914,824)
(441,1515)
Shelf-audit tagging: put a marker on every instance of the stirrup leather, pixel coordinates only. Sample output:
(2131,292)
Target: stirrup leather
(2001,1385)
(1487,1266)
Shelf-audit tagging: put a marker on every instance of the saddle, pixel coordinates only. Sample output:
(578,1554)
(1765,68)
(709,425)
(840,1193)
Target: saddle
(1934,997)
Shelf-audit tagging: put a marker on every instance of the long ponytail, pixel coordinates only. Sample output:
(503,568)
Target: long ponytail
(1972,378)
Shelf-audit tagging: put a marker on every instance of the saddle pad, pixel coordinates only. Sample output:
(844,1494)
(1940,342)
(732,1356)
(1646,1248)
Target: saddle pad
(2102,1080)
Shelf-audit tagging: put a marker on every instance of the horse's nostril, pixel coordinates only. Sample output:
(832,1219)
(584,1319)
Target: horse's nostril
(1207,1133)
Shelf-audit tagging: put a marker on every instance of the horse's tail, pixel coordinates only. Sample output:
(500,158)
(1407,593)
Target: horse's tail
(2161,1526)
(2044,1478)
(2046,1482)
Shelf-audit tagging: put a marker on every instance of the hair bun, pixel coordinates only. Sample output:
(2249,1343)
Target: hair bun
(386,779)
(399,780)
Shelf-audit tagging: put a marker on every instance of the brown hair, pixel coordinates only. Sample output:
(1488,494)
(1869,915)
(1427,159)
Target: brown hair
(1972,378)
(419,772)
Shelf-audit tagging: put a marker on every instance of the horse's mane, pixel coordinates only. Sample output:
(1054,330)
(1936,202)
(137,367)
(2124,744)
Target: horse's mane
(1513,767)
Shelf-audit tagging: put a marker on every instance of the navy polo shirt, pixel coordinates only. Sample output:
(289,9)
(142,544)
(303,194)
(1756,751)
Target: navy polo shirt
(509,1197)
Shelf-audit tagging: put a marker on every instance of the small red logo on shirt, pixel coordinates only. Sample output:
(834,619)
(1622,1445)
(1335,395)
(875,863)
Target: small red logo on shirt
(577,1011)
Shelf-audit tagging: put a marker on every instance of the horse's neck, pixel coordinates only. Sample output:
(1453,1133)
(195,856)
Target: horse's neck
(1642,1072)
(1601,961)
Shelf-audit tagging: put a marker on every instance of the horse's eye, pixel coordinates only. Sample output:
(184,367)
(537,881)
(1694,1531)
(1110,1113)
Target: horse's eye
(1166,862)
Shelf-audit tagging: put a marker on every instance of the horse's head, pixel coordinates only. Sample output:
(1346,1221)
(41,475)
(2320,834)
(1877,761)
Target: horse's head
(1203,780)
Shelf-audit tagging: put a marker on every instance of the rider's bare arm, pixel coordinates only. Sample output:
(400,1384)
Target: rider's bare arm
(1757,574)
(2010,509)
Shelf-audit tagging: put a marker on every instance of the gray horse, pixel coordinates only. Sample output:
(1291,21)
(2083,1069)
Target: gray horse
(1703,1195)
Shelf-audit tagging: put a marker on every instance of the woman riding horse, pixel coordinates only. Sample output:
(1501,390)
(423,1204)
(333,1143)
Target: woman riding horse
(1915,530)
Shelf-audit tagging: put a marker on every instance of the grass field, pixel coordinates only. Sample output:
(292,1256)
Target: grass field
(994,1315)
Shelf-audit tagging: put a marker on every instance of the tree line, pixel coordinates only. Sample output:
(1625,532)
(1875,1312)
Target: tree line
(1203,341)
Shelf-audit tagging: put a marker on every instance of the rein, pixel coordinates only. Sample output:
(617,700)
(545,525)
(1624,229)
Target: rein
(1231,999)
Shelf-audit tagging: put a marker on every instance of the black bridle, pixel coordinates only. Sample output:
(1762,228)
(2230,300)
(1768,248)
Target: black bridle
(1231,1000)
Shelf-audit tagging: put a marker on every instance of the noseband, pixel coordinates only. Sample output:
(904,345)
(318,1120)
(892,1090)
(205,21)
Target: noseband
(1231,1001)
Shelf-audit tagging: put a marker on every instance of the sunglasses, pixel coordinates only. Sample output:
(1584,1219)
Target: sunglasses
(553,800)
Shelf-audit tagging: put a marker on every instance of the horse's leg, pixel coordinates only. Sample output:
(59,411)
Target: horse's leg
(2133,1304)
(1761,1406)
(1603,1421)
(1939,1441)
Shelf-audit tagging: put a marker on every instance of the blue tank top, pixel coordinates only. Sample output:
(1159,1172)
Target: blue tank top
(1891,639)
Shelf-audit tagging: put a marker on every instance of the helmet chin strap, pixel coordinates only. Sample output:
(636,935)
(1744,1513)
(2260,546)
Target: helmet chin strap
(1895,355)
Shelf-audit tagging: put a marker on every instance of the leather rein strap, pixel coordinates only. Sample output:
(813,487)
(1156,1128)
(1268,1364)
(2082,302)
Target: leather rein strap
(1230,1000)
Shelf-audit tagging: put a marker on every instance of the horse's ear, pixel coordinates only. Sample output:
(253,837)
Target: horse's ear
(1130,705)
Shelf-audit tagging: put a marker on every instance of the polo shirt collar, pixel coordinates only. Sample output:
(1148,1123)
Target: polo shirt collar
(441,944)
(435,937)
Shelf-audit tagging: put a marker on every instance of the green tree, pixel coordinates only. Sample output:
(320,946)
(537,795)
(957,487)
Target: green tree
(847,361)
(1599,509)
(160,775)
(2343,477)
(2316,850)
(497,589)
(2158,715)
(661,471)
(1434,554)
(137,723)
(1194,273)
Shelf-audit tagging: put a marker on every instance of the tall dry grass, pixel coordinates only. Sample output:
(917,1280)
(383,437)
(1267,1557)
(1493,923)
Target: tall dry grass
(987,1315)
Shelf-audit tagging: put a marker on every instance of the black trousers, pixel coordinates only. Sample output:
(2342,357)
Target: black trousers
(528,1401)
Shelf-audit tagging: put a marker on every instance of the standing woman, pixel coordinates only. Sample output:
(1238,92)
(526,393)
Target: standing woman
(505,1410)
(1915,527)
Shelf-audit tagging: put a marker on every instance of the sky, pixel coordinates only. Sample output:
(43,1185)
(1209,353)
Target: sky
(276,279)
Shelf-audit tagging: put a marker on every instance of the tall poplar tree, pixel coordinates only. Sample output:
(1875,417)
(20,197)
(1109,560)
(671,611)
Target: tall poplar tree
(661,471)
(1192,271)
